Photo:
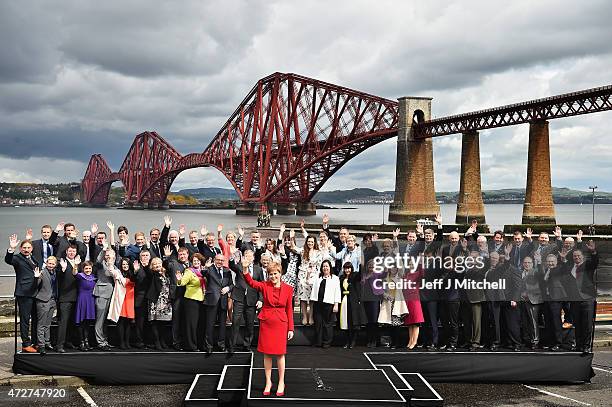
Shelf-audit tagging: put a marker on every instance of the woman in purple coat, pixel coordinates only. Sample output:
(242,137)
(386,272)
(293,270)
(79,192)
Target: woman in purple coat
(85,314)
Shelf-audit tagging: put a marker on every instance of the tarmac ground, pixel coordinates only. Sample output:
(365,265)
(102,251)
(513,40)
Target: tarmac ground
(73,391)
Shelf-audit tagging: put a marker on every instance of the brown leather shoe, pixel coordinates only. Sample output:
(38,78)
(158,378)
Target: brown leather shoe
(567,325)
(28,349)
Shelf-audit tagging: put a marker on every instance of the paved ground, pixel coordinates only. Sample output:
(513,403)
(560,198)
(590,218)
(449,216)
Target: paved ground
(597,393)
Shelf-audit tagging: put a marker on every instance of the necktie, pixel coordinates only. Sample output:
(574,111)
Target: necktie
(47,250)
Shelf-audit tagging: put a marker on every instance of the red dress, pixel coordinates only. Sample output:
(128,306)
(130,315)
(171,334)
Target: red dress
(127,309)
(412,298)
(275,317)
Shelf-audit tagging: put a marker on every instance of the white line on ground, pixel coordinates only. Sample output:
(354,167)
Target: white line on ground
(557,395)
(86,397)
(603,370)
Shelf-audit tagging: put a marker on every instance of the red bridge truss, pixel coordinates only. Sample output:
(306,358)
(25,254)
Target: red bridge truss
(291,133)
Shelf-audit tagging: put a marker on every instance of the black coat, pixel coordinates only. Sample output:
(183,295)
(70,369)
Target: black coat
(141,288)
(25,283)
(156,286)
(214,284)
(173,265)
(355,312)
(62,243)
(67,284)
(514,282)
(242,291)
(206,251)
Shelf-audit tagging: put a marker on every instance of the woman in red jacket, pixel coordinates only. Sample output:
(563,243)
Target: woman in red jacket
(275,321)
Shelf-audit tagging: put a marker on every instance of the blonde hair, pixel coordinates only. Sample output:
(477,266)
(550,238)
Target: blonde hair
(157,260)
(52,258)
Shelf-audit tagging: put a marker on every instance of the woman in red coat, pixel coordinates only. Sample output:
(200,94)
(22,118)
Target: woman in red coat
(275,321)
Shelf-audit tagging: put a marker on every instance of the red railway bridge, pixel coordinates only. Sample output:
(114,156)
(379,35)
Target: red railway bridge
(290,134)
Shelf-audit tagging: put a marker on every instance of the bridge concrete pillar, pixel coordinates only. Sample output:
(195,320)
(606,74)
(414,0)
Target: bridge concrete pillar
(469,202)
(247,208)
(538,206)
(306,209)
(285,208)
(415,195)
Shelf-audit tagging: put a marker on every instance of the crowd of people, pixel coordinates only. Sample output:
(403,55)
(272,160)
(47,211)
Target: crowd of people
(203,284)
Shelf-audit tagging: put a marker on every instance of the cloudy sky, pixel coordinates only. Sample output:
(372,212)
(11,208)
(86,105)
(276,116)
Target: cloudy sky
(80,77)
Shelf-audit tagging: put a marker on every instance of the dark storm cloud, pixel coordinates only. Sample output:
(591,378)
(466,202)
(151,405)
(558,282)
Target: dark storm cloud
(67,144)
(28,40)
(144,39)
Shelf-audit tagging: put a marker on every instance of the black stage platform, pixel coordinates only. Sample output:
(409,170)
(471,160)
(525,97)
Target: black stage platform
(153,367)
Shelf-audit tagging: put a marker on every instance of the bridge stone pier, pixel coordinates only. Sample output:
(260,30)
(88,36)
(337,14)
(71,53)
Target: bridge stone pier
(285,208)
(247,208)
(470,205)
(415,196)
(538,206)
(306,209)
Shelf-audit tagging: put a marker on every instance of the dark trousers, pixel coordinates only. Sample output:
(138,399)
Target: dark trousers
(201,329)
(214,313)
(240,312)
(191,311)
(495,314)
(530,315)
(584,312)
(324,322)
(431,316)
(26,310)
(66,309)
(512,323)
(554,326)
(566,306)
(178,319)
(451,322)
(140,314)
(124,328)
(475,323)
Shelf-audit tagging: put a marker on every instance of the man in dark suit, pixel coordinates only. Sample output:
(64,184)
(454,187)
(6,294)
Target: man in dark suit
(192,246)
(207,246)
(495,297)
(521,248)
(584,294)
(61,243)
(246,301)
(218,287)
(429,239)
(25,286)
(556,279)
(450,311)
(255,244)
(498,243)
(67,287)
(43,247)
(173,265)
(475,271)
(154,243)
(169,238)
(96,243)
(143,283)
(512,295)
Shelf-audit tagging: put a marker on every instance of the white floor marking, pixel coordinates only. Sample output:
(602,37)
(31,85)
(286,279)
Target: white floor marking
(557,395)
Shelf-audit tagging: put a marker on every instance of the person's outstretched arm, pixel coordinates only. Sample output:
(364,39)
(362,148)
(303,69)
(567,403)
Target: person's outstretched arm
(258,285)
